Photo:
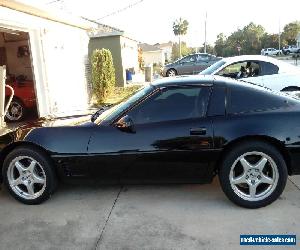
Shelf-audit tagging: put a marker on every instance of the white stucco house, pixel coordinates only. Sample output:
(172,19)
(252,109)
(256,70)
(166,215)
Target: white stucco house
(152,54)
(166,48)
(57,47)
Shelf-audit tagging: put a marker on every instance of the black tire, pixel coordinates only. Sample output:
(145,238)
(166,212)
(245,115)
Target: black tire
(287,52)
(171,72)
(44,163)
(16,111)
(232,156)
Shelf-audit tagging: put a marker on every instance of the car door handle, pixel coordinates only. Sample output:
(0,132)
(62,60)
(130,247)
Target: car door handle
(198,131)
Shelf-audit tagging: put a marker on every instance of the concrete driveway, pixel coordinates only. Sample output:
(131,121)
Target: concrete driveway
(143,217)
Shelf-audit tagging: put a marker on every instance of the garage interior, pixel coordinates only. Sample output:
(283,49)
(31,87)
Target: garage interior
(16,55)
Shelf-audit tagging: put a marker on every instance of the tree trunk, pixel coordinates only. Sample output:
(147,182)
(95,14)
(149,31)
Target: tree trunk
(179,47)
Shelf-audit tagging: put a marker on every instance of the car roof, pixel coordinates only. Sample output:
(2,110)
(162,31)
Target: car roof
(202,80)
(184,79)
(212,80)
(252,58)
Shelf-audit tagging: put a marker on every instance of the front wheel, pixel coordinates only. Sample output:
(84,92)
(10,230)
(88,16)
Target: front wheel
(253,174)
(29,176)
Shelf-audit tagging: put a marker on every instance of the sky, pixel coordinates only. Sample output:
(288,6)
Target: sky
(151,21)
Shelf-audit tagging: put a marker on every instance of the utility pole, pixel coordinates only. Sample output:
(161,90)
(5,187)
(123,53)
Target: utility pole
(279,35)
(205,32)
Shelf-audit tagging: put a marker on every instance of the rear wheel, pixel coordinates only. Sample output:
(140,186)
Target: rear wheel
(28,175)
(171,72)
(253,174)
(16,111)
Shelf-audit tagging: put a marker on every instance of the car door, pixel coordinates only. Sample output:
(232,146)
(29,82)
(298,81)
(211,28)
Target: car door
(173,135)
(202,62)
(172,138)
(270,77)
(187,65)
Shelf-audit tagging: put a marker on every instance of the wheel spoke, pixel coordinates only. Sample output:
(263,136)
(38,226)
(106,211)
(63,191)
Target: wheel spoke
(261,164)
(20,167)
(17,181)
(246,165)
(30,189)
(238,180)
(266,179)
(38,179)
(31,167)
(252,190)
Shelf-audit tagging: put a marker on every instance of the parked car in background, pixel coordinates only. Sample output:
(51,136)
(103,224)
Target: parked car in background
(180,129)
(189,65)
(23,100)
(270,52)
(265,71)
(290,49)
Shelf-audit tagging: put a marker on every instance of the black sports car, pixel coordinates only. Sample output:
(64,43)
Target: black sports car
(181,129)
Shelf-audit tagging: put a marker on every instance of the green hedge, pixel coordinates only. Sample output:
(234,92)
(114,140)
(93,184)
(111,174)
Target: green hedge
(103,74)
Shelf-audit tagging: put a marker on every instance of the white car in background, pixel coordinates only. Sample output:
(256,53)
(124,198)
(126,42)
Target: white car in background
(270,52)
(261,70)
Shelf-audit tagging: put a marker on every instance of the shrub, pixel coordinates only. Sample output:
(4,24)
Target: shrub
(103,74)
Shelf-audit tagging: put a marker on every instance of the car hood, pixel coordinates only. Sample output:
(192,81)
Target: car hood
(170,64)
(23,130)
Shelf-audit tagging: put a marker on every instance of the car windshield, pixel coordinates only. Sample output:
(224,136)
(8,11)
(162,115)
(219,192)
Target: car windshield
(117,109)
(211,69)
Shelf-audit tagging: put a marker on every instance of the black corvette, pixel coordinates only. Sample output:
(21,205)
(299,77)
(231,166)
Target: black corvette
(185,129)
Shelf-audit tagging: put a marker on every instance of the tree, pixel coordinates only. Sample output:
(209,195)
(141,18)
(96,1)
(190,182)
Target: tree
(220,44)
(180,27)
(249,38)
(184,50)
(103,74)
(290,32)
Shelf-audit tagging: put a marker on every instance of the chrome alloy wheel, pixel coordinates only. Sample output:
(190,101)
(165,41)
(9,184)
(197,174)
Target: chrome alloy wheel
(254,176)
(15,111)
(171,73)
(26,177)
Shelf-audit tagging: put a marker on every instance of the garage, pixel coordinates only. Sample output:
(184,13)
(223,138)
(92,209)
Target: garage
(45,55)
(15,55)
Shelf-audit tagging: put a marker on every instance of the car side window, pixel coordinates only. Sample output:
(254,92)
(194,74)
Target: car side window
(188,59)
(269,68)
(203,58)
(241,70)
(244,99)
(173,103)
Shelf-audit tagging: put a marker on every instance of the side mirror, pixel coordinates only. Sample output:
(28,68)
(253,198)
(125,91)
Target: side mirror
(125,124)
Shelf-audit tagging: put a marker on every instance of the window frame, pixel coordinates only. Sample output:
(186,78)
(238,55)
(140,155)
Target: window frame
(162,88)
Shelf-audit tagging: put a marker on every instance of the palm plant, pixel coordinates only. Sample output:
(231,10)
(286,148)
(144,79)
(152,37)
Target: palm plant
(180,27)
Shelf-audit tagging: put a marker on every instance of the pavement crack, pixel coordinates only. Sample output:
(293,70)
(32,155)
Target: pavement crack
(294,184)
(107,219)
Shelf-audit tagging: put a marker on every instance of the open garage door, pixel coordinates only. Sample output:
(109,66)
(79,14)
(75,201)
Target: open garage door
(16,55)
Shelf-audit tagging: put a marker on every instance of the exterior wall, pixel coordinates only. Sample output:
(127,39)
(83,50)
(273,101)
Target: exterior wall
(168,52)
(112,43)
(129,54)
(151,57)
(58,52)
